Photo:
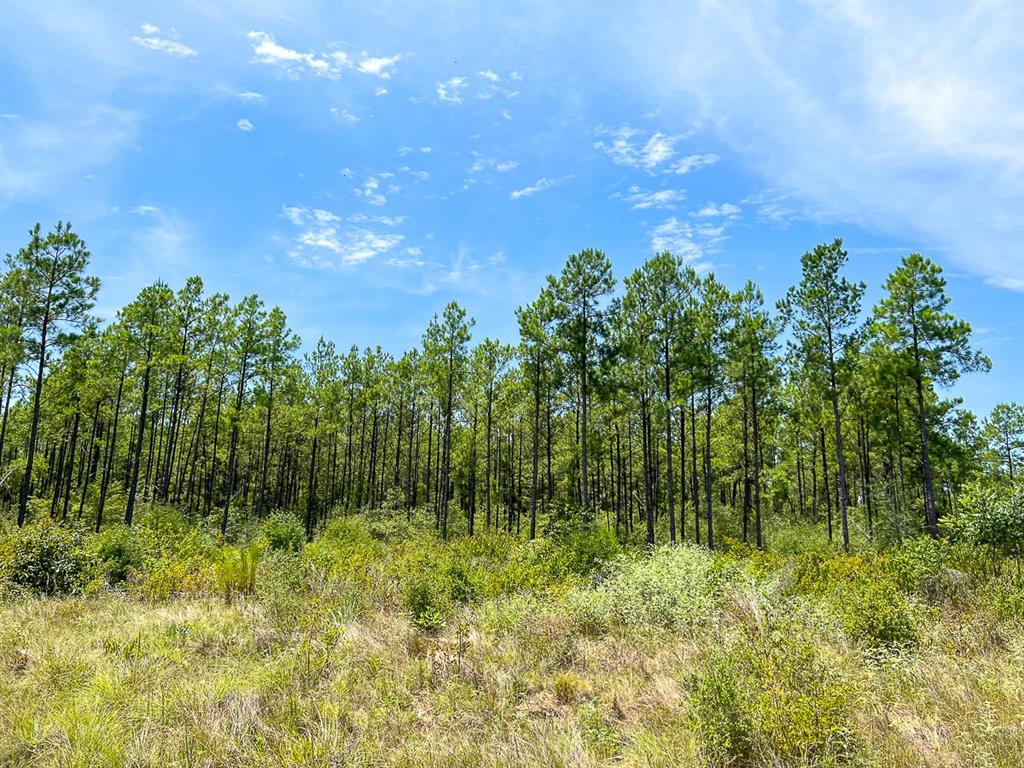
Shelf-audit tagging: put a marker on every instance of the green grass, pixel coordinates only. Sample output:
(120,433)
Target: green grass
(378,646)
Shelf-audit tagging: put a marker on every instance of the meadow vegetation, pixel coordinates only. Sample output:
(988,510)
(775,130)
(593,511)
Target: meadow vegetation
(376,644)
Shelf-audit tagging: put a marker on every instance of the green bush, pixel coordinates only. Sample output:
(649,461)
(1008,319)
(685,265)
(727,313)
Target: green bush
(768,699)
(676,588)
(45,557)
(864,595)
(875,612)
(992,516)
(282,531)
(584,549)
(118,554)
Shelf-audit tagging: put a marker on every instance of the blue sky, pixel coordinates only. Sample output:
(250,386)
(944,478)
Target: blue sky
(362,165)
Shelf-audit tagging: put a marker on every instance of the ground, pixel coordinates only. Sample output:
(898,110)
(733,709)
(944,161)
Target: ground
(389,649)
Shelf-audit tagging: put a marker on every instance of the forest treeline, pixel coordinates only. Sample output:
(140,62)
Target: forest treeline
(673,409)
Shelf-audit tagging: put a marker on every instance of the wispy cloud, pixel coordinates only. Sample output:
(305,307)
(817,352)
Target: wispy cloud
(539,186)
(381,66)
(879,108)
(329,64)
(370,192)
(324,243)
(344,116)
(641,199)
(710,210)
(680,238)
(693,162)
(266,50)
(245,125)
(451,90)
(482,163)
(629,146)
(151,39)
(251,97)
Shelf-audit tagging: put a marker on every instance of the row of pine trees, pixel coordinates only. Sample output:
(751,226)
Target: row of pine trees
(672,409)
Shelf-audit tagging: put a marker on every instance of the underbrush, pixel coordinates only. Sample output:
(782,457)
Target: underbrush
(166,645)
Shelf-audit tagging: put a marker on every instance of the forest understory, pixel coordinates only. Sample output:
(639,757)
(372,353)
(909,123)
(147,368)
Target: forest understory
(378,645)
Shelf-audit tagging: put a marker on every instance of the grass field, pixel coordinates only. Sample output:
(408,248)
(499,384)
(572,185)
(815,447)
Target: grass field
(378,646)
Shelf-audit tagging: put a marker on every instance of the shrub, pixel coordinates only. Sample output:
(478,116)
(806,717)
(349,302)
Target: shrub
(45,557)
(282,531)
(675,588)
(930,568)
(584,549)
(864,594)
(118,554)
(992,516)
(875,612)
(767,699)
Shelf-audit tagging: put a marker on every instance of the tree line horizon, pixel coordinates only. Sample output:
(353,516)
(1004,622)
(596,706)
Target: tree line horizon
(673,411)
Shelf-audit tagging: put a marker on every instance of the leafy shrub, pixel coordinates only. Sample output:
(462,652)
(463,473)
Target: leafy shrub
(931,568)
(426,602)
(875,612)
(167,576)
(675,588)
(118,554)
(992,516)
(282,531)
(584,549)
(864,595)
(767,699)
(347,551)
(45,557)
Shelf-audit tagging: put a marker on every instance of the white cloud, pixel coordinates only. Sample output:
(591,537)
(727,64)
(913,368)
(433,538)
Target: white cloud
(487,163)
(506,114)
(381,92)
(451,90)
(623,147)
(390,221)
(381,66)
(267,51)
(657,150)
(665,198)
(487,74)
(426,150)
(370,192)
(679,238)
(344,116)
(728,210)
(533,189)
(1009,283)
(900,122)
(245,125)
(352,247)
(251,97)
(693,162)
(330,64)
(626,146)
(322,243)
(162,44)
(145,210)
